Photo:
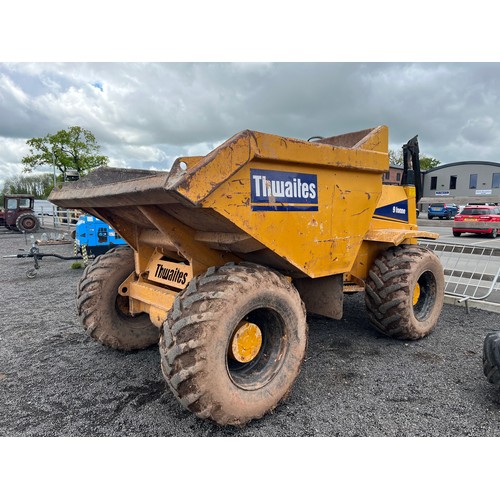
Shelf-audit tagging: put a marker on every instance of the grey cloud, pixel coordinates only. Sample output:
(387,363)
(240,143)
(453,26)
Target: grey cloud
(482,130)
(146,114)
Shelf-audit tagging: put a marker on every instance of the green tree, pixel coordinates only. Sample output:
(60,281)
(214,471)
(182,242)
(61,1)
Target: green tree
(396,158)
(71,149)
(426,162)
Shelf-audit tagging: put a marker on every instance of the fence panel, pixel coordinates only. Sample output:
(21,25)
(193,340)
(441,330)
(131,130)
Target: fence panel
(470,272)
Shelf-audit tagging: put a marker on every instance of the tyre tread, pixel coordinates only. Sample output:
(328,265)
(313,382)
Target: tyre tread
(491,357)
(188,318)
(387,291)
(89,306)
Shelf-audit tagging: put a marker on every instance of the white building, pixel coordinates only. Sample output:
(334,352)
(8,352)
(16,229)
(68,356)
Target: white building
(461,183)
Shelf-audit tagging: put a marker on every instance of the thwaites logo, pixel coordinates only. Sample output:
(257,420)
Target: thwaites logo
(173,274)
(272,190)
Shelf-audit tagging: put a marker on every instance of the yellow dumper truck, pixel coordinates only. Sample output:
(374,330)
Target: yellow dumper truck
(227,252)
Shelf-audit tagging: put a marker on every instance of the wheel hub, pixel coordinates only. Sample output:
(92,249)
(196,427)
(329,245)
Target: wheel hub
(416,293)
(246,342)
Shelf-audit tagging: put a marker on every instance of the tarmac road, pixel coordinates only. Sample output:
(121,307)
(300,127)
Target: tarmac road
(54,381)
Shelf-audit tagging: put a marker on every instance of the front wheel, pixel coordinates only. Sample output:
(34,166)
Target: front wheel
(405,292)
(491,357)
(457,234)
(233,343)
(494,233)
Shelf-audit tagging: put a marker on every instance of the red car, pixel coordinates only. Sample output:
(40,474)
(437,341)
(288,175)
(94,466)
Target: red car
(481,219)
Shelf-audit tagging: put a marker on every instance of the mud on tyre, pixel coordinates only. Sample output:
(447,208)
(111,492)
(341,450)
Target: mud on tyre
(103,312)
(491,358)
(233,343)
(405,292)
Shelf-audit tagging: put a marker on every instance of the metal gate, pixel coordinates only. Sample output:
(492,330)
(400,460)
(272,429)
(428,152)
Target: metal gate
(470,272)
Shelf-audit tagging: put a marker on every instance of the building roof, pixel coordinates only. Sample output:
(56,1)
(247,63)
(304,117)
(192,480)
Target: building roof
(457,163)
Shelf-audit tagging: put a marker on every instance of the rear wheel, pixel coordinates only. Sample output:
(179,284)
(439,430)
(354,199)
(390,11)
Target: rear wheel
(103,312)
(405,292)
(233,343)
(494,233)
(457,234)
(28,223)
(491,357)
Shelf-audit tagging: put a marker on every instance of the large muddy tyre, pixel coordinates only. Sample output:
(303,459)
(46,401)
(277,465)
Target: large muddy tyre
(104,313)
(233,343)
(28,223)
(491,358)
(405,292)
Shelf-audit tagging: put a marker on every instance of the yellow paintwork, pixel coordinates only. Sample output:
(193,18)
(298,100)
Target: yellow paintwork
(183,238)
(246,342)
(247,147)
(147,298)
(319,243)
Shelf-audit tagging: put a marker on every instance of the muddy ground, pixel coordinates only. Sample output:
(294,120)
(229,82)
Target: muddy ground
(54,381)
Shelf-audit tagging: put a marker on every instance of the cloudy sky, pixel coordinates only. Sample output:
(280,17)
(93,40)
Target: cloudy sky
(144,115)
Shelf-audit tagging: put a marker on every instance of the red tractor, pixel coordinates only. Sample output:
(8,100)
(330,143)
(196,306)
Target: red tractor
(18,214)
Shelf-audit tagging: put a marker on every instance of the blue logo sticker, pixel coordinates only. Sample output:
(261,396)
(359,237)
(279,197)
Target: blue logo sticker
(283,191)
(398,210)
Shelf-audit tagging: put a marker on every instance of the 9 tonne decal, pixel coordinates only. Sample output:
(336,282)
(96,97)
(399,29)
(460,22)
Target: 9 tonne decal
(396,211)
(272,190)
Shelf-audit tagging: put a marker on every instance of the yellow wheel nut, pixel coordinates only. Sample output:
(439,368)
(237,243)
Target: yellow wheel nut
(246,342)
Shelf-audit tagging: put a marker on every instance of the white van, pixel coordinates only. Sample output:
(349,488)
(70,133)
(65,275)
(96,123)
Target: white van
(44,207)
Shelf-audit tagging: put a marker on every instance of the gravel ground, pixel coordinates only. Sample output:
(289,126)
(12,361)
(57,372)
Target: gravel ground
(54,381)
